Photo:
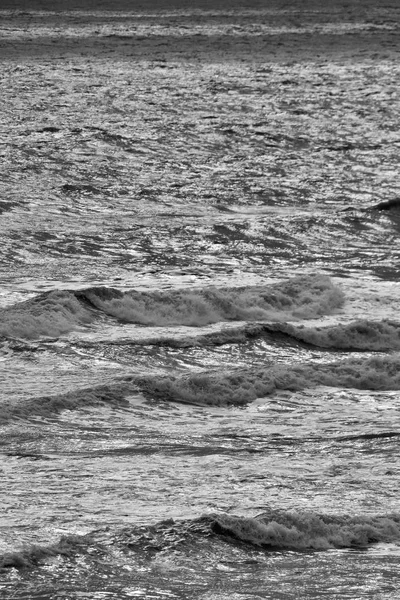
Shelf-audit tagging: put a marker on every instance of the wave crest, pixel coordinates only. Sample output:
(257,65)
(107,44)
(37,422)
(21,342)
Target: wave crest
(34,555)
(359,335)
(306,530)
(245,385)
(50,314)
(58,312)
(297,298)
(272,530)
(238,387)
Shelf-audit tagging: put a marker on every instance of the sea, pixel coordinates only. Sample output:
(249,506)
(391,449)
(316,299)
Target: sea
(199,301)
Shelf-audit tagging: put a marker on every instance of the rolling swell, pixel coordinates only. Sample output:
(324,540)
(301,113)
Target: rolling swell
(33,556)
(113,395)
(389,205)
(50,314)
(58,312)
(216,388)
(303,530)
(300,297)
(359,335)
(273,530)
(245,385)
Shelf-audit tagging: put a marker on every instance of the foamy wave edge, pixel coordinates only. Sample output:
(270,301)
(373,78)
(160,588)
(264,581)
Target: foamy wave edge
(272,530)
(58,312)
(215,388)
(358,335)
(307,530)
(361,335)
(245,385)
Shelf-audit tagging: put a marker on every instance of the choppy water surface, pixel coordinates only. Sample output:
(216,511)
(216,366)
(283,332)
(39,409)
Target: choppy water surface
(199,334)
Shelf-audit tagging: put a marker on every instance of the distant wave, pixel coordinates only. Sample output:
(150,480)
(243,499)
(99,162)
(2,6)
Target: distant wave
(34,555)
(390,205)
(245,385)
(272,530)
(58,312)
(113,394)
(359,335)
(218,388)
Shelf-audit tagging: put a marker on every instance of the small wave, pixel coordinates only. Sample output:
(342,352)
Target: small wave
(272,530)
(359,335)
(50,314)
(382,435)
(212,388)
(306,530)
(391,205)
(245,385)
(188,338)
(35,555)
(9,346)
(58,312)
(113,395)
(297,298)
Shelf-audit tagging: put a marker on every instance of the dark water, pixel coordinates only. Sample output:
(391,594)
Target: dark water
(199,329)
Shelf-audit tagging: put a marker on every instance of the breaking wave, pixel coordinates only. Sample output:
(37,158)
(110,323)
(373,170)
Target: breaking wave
(272,530)
(359,335)
(113,395)
(391,205)
(216,388)
(34,555)
(245,385)
(300,297)
(305,530)
(58,312)
(50,314)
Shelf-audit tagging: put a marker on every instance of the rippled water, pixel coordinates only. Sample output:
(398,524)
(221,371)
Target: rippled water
(199,302)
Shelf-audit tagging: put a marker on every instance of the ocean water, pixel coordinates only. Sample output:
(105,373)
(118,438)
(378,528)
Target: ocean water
(199,331)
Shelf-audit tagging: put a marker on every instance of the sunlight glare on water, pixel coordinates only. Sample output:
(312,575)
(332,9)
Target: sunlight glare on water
(199,335)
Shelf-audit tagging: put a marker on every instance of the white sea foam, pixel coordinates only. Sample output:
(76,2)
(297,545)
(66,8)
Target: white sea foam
(217,388)
(297,298)
(113,394)
(273,530)
(58,312)
(34,555)
(302,530)
(50,315)
(359,335)
(245,385)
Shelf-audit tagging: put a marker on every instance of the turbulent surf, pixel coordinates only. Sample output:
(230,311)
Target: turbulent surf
(199,300)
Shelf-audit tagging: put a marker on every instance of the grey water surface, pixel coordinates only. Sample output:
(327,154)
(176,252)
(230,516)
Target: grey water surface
(199,334)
